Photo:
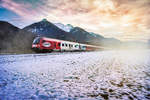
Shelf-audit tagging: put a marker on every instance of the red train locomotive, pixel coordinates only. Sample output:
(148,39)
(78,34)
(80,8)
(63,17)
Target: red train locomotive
(43,44)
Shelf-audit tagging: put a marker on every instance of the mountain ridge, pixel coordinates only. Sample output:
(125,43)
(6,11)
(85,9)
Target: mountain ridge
(48,29)
(58,31)
(14,39)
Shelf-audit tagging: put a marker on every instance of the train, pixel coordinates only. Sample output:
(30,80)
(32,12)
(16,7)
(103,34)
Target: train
(45,44)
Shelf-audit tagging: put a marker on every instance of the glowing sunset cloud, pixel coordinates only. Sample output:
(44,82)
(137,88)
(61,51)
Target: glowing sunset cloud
(121,19)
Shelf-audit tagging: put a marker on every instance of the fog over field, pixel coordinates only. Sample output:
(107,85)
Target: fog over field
(79,75)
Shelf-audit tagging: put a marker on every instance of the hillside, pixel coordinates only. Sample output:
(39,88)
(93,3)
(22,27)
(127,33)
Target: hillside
(48,29)
(68,32)
(13,39)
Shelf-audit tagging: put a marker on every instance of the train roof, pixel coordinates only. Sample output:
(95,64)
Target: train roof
(57,40)
(73,42)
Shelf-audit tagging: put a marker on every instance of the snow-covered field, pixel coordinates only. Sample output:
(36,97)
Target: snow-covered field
(78,75)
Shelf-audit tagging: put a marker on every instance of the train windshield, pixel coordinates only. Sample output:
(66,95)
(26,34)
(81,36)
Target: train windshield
(36,40)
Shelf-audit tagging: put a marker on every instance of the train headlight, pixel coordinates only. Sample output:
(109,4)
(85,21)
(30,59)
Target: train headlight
(46,44)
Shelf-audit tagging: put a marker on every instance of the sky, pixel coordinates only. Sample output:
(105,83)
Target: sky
(126,20)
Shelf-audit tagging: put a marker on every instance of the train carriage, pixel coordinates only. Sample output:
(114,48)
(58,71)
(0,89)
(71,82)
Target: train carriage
(43,44)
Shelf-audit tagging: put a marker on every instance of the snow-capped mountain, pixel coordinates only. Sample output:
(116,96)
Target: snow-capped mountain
(67,32)
(66,28)
(48,29)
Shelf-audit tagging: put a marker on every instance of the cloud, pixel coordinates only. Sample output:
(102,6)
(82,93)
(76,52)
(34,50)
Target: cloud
(111,18)
(20,9)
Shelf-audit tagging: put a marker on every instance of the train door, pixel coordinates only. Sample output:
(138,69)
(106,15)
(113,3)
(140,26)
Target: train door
(58,46)
(62,46)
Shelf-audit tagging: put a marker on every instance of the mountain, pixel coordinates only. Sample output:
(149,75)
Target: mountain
(48,29)
(66,28)
(13,39)
(83,36)
(68,32)
(7,30)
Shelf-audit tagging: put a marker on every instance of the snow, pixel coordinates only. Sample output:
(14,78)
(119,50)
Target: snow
(77,75)
(66,28)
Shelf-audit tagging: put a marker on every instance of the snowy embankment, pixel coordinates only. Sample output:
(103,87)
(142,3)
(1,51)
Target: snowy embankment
(80,75)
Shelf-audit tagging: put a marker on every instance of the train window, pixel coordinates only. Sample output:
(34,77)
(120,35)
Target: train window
(66,45)
(62,44)
(84,47)
(69,45)
(43,41)
(76,46)
(36,40)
